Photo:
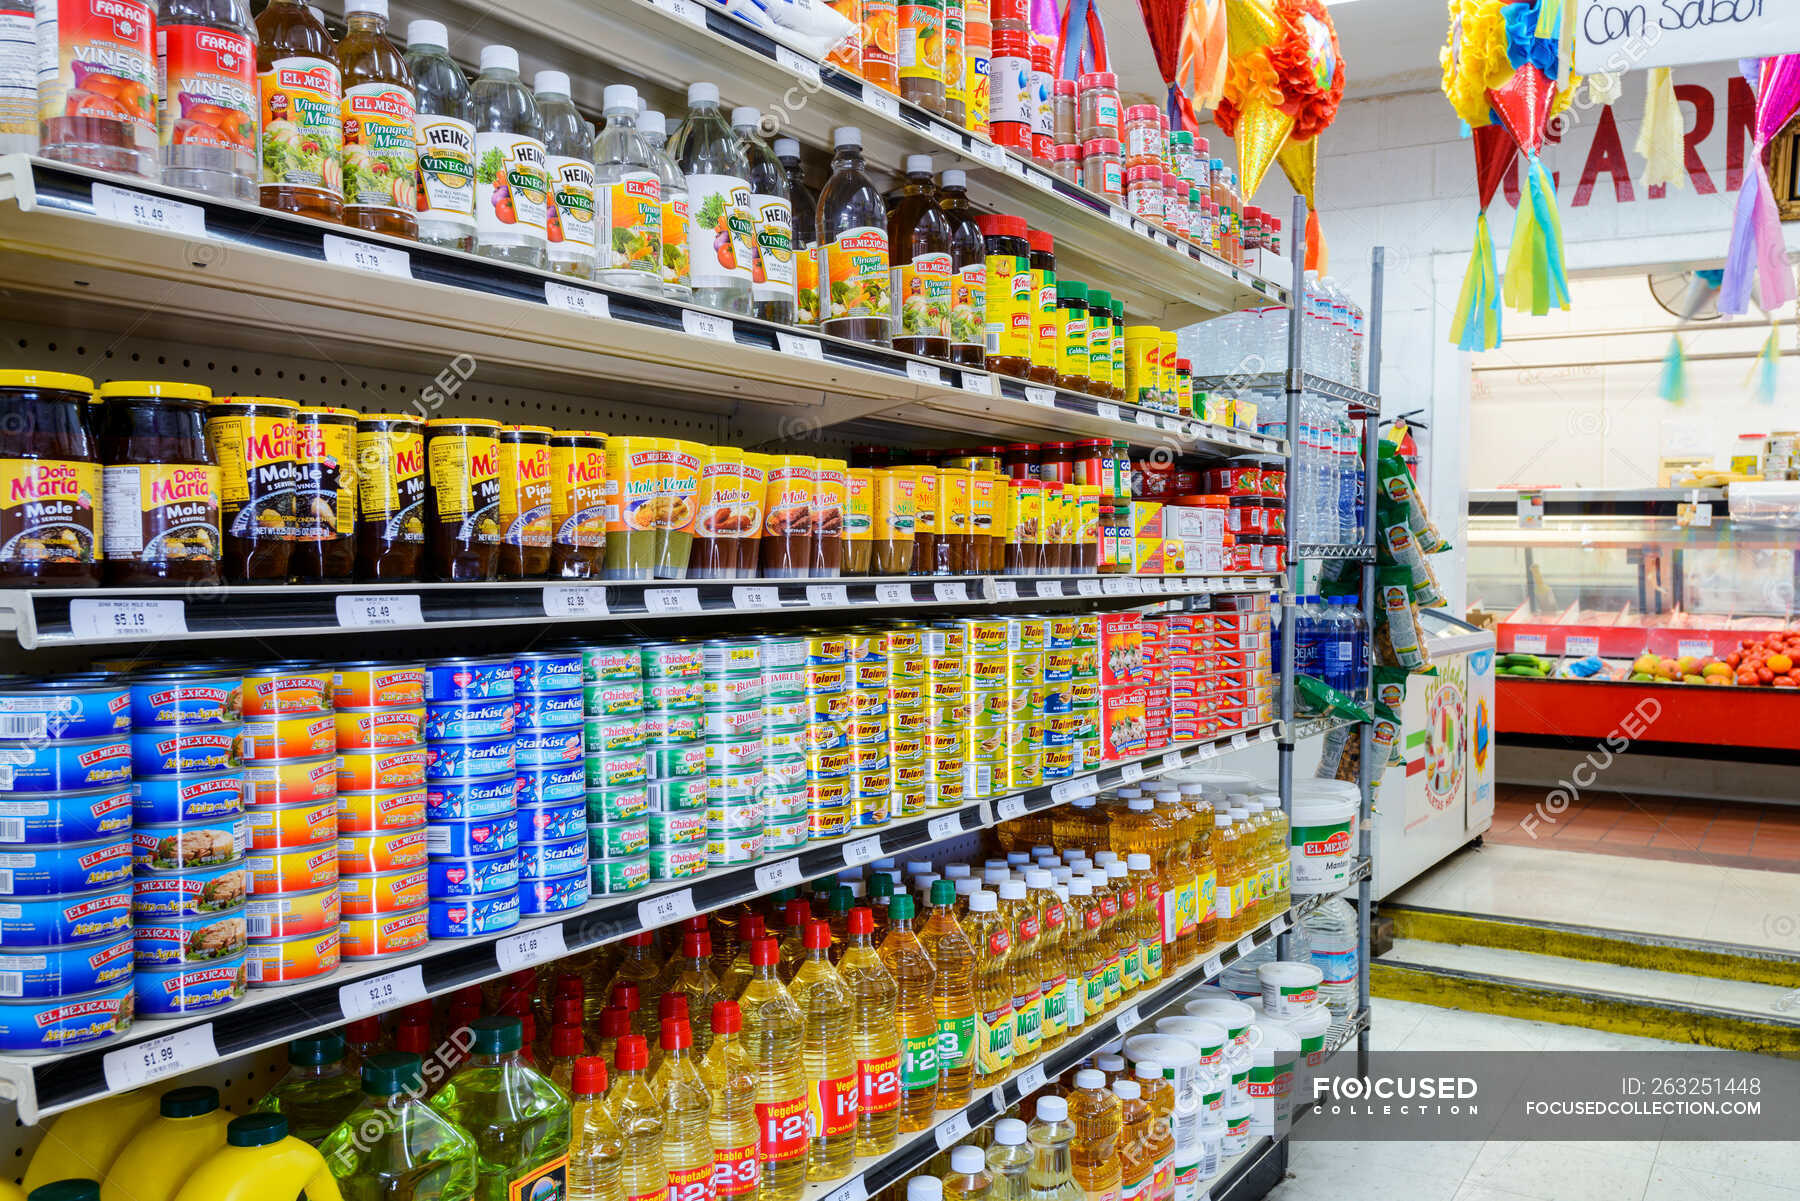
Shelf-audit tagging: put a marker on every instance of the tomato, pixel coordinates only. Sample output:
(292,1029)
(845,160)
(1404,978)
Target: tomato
(1764,674)
(1747,679)
(1734,658)
(1786,682)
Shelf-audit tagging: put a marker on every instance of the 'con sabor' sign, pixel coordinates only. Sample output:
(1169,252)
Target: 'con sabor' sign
(1628,35)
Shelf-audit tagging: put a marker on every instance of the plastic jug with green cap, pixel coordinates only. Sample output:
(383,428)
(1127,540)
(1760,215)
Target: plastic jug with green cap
(154,1165)
(318,1089)
(261,1160)
(394,1146)
(82,1143)
(66,1190)
(520,1120)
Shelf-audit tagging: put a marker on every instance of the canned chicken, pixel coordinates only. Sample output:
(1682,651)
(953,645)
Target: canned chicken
(613,877)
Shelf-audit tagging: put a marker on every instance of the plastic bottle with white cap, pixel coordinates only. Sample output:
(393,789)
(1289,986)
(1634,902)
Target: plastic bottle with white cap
(512,185)
(721,247)
(445,139)
(968,1179)
(381,160)
(1009,1161)
(1051,1175)
(773,275)
(676,284)
(569,149)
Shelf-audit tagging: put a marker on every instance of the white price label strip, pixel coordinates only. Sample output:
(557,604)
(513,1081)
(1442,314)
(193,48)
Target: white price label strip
(356,612)
(665,909)
(1068,790)
(951,1131)
(981,385)
(575,600)
(672,600)
(367,256)
(880,101)
(1030,1080)
(378,994)
(571,299)
(1239,741)
(987,152)
(1006,590)
(804,348)
(1011,808)
(1171,760)
(827,594)
(755,596)
(1113,586)
(150,212)
(1147,420)
(852,1189)
(683,10)
(947,826)
(799,64)
(127,618)
(1580,647)
(1212,967)
(894,594)
(1133,772)
(775,876)
(952,592)
(1088,587)
(1129,1020)
(1049,589)
(1150,585)
(1109,411)
(925,373)
(1042,397)
(1246,944)
(155,1058)
(863,850)
(1121,218)
(707,325)
(531,947)
(945,134)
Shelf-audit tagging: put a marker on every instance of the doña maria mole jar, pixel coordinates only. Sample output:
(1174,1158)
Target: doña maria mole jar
(390,479)
(159,486)
(49,481)
(462,498)
(252,440)
(524,513)
(325,496)
(578,483)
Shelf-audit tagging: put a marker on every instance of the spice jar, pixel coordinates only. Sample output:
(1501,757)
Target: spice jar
(827,514)
(1199,166)
(1053,556)
(1117,336)
(462,498)
(1174,203)
(1008,289)
(1102,170)
(1143,192)
(1098,106)
(859,521)
(1042,303)
(325,493)
(252,440)
(50,470)
(579,494)
(1087,530)
(1184,388)
(1100,342)
(524,512)
(1012,109)
(1043,122)
(159,485)
(787,544)
(894,516)
(1071,335)
(390,488)
(1143,136)
(1181,152)
(1063,106)
(1065,163)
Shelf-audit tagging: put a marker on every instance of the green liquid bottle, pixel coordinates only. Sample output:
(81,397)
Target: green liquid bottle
(520,1121)
(394,1146)
(318,1090)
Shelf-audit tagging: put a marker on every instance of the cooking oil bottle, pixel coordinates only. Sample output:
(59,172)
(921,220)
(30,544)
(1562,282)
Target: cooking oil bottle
(520,1121)
(774,1034)
(641,967)
(994,1024)
(737,973)
(1146,919)
(565,1047)
(797,915)
(1094,1151)
(1137,1166)
(1180,884)
(951,950)
(695,981)
(687,1113)
(416,1152)
(1051,1175)
(1087,970)
(1284,879)
(1159,1095)
(837,917)
(968,1178)
(1008,1161)
(1124,932)
(830,1057)
(318,1089)
(1246,905)
(915,980)
(638,1113)
(1053,921)
(877,1042)
(1225,891)
(1027,984)
(596,1148)
(1206,917)
(730,1076)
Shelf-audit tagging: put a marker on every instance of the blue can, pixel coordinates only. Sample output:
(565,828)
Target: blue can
(63,1023)
(188,845)
(547,671)
(550,823)
(33,972)
(190,988)
(492,718)
(548,711)
(199,890)
(160,800)
(181,940)
(466,917)
(540,859)
(69,707)
(468,679)
(557,894)
(471,840)
(48,817)
(162,700)
(472,877)
(70,867)
(471,799)
(74,766)
(186,751)
(461,759)
(55,921)
(549,748)
(550,784)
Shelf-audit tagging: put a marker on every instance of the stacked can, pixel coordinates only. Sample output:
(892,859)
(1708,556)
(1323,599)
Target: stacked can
(946,648)
(871,757)
(909,720)
(617,769)
(471,799)
(784,739)
(732,710)
(66,808)
(189,869)
(1157,706)
(548,713)
(675,741)
(984,701)
(1084,688)
(1035,752)
(1190,640)
(829,813)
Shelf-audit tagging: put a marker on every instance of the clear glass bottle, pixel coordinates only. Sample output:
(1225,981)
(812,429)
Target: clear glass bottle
(1009,1161)
(569,163)
(596,1148)
(773,273)
(210,111)
(687,1113)
(721,231)
(805,208)
(512,186)
(301,92)
(519,1120)
(628,199)
(1051,1175)
(445,191)
(393,1145)
(637,1111)
(775,1035)
(853,248)
(877,1038)
(919,242)
(830,1057)
(677,282)
(381,158)
(730,1076)
(317,1091)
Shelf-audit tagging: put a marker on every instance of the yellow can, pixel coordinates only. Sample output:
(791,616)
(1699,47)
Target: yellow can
(1166,377)
(380,935)
(1143,365)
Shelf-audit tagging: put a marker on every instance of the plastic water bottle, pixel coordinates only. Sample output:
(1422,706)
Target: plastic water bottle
(1332,930)
(1348,469)
(1307,641)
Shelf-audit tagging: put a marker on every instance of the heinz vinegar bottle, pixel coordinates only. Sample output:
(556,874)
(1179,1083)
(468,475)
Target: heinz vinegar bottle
(512,188)
(445,189)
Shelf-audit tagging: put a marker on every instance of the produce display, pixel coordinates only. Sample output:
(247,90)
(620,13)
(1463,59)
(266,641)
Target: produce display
(1763,662)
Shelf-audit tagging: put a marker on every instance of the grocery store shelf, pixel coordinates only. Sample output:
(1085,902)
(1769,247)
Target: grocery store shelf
(134,616)
(272,284)
(1334,551)
(1573,712)
(1269,383)
(159,1048)
(1506,498)
(1318,726)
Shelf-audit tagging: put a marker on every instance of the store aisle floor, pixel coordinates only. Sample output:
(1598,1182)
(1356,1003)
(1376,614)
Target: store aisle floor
(1689,830)
(1500,1171)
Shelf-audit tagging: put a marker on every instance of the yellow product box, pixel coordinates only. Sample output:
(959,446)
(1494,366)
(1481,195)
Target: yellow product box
(1243,414)
(1216,409)
(1149,558)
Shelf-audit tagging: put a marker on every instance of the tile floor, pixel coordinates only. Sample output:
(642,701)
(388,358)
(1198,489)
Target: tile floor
(1495,1171)
(1724,833)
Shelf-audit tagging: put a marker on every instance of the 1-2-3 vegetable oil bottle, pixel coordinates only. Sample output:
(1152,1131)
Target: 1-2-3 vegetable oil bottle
(730,1076)
(774,1034)
(915,1015)
(687,1115)
(830,1057)
(951,950)
(876,1039)
(1094,1152)
(596,1148)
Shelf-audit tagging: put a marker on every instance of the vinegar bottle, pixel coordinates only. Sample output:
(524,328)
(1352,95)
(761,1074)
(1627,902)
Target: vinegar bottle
(90,83)
(991,933)
(876,1037)
(919,242)
(915,1017)
(1051,1175)
(381,159)
(687,1114)
(445,189)
(1008,1161)
(210,114)
(954,1001)
(302,95)
(853,248)
(968,1178)
(569,227)
(721,231)
(676,280)
(830,1058)
(730,1076)
(805,208)
(1094,1152)
(596,1148)
(1137,1167)
(512,184)
(772,271)
(774,1034)
(638,1113)
(968,290)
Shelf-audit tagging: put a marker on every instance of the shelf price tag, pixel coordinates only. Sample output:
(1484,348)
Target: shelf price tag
(978,382)
(1031,1080)
(127,618)
(1088,587)
(894,594)
(1129,1019)
(1529,644)
(685,11)
(1049,589)
(798,63)
(1246,944)
(951,592)
(827,594)
(1147,420)
(667,908)
(987,153)
(1011,808)
(1120,218)
(947,826)
(951,1131)
(863,850)
(1132,585)
(377,994)
(1173,424)
(150,212)
(924,373)
(1113,585)
(1212,967)
(575,600)
(1006,590)
(944,134)
(1239,741)
(774,876)
(707,325)
(1582,646)
(1133,772)
(570,299)
(1108,411)
(1042,397)
(1068,790)
(672,600)
(799,347)
(1151,584)
(1698,648)
(852,1189)
(154,1058)
(1013,166)
(367,256)
(755,596)
(357,612)
(531,947)
(1171,760)
(881,101)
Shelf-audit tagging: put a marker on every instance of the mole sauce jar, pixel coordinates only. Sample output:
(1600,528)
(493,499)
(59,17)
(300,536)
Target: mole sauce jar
(49,481)
(724,509)
(390,485)
(462,498)
(159,485)
(325,496)
(925,519)
(578,504)
(787,543)
(252,439)
(828,516)
(524,514)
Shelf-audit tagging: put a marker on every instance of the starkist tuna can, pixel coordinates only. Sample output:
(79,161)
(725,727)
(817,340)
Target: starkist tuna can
(547,711)
(291,782)
(211,843)
(374,812)
(381,768)
(477,839)
(399,725)
(166,800)
(289,960)
(552,784)
(380,935)
(166,992)
(540,859)
(74,766)
(467,917)
(488,717)
(557,894)
(71,867)
(547,748)
(185,751)
(370,854)
(37,972)
(385,892)
(63,709)
(280,827)
(299,870)
(51,817)
(56,921)
(40,1027)
(468,679)
(473,876)
(546,671)
(291,914)
(374,685)
(287,688)
(471,799)
(163,700)
(194,892)
(189,940)
(465,758)
(549,822)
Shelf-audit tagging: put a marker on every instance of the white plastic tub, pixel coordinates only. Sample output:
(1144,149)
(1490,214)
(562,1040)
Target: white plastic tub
(1322,836)
(1289,989)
